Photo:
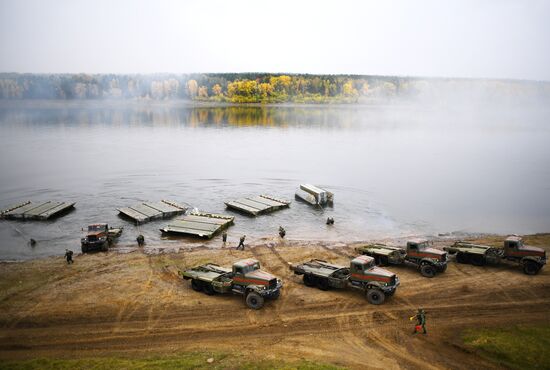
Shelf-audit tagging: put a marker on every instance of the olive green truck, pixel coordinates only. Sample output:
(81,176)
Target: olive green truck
(531,259)
(417,253)
(244,278)
(362,274)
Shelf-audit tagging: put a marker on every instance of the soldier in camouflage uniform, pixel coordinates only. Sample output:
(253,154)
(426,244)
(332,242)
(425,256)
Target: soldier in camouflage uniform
(420,321)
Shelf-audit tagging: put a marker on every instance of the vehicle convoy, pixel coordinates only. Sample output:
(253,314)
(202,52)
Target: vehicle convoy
(362,274)
(99,237)
(531,259)
(418,253)
(245,278)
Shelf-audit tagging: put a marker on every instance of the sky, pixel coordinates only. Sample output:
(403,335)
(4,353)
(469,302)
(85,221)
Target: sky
(453,38)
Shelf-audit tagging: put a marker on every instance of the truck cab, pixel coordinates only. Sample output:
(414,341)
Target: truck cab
(420,249)
(531,258)
(247,275)
(99,237)
(363,269)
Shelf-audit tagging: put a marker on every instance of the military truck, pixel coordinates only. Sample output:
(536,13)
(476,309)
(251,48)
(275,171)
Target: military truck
(531,259)
(244,278)
(362,274)
(99,237)
(418,253)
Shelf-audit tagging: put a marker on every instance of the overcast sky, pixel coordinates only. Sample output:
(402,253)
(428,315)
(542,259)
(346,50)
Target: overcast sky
(462,38)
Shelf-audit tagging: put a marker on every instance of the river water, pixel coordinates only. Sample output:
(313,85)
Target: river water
(396,169)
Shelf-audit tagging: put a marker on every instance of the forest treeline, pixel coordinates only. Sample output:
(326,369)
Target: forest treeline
(242,88)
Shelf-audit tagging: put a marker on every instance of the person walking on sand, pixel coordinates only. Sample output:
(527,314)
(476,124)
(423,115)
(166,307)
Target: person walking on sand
(241,243)
(224,237)
(420,321)
(140,240)
(69,256)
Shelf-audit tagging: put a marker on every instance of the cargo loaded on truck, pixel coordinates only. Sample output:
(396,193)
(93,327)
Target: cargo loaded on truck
(418,253)
(244,278)
(362,274)
(531,259)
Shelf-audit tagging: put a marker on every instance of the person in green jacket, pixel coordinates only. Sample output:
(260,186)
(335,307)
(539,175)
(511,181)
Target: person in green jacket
(420,321)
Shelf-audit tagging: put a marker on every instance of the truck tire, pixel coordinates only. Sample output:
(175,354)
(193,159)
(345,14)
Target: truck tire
(105,247)
(375,296)
(309,280)
(254,301)
(275,295)
(443,268)
(322,283)
(531,268)
(477,260)
(196,285)
(84,249)
(427,270)
(462,258)
(208,289)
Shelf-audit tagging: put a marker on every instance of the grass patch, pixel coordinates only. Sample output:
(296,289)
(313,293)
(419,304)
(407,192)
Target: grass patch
(518,347)
(192,360)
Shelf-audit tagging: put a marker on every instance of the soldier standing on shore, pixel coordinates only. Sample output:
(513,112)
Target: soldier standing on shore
(241,243)
(282,232)
(224,237)
(140,240)
(69,256)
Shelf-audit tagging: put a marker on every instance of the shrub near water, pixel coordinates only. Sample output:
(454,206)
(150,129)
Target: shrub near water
(520,347)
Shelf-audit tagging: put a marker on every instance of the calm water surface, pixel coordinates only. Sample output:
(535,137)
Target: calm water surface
(396,170)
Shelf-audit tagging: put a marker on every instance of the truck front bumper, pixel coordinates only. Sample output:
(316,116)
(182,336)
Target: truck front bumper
(271,292)
(390,289)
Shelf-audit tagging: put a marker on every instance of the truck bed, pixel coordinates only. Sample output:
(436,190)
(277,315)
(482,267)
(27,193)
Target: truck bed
(316,267)
(208,272)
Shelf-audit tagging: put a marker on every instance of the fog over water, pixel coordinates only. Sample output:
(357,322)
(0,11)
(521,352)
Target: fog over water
(396,170)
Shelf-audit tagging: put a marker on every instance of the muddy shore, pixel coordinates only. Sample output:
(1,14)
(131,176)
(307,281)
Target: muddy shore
(130,302)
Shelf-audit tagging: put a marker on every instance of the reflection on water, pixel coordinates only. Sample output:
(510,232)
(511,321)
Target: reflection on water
(395,170)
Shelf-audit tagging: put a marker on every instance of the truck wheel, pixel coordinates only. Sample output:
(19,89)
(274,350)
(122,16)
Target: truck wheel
(309,280)
(105,247)
(84,249)
(375,296)
(427,271)
(196,285)
(531,268)
(208,289)
(443,268)
(275,295)
(323,284)
(254,300)
(462,258)
(477,260)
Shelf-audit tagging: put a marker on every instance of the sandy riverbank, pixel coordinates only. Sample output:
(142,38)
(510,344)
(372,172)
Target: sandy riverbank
(135,304)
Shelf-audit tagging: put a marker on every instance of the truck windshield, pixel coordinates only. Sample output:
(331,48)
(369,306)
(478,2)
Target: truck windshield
(253,267)
(96,227)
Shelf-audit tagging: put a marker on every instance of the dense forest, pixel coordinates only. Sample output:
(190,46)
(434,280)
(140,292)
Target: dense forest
(241,88)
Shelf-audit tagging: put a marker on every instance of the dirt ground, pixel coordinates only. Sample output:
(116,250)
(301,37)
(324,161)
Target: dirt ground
(135,304)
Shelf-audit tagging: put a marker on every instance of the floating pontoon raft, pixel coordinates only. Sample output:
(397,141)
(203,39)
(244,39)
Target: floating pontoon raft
(36,211)
(147,211)
(314,195)
(204,225)
(258,204)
